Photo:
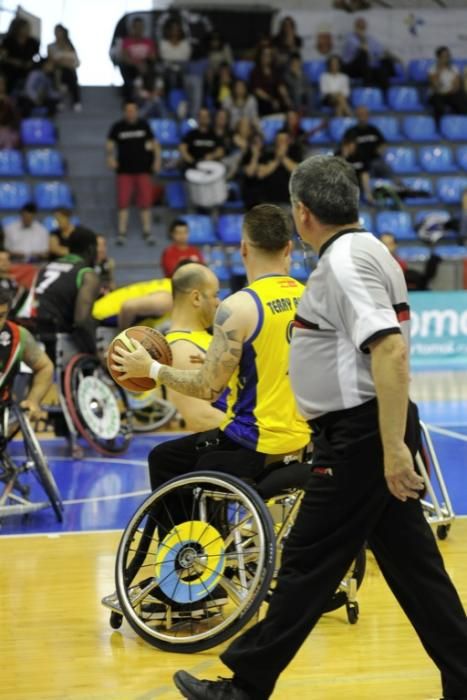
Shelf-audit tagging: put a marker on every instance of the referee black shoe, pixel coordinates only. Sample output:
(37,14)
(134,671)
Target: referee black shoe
(194,689)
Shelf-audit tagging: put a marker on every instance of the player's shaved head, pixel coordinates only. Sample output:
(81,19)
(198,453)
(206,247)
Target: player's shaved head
(188,277)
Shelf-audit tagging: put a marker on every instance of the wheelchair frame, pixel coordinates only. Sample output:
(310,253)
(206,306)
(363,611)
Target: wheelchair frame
(438,512)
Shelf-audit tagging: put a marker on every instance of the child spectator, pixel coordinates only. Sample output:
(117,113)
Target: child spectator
(19,51)
(241,104)
(179,249)
(65,61)
(334,86)
(26,239)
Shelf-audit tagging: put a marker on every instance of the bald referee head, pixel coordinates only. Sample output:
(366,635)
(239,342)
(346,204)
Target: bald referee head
(324,193)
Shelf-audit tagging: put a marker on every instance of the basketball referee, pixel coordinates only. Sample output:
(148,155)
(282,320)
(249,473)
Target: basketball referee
(349,371)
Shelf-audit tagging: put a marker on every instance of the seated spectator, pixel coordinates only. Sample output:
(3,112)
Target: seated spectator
(104,267)
(292,126)
(219,54)
(221,87)
(298,86)
(275,167)
(240,104)
(334,86)
(222,130)
(26,239)
(18,52)
(58,242)
(151,100)
(138,54)
(9,119)
(179,249)
(286,42)
(446,85)
(201,143)
(175,52)
(65,61)
(242,139)
(251,186)
(267,85)
(39,90)
(364,57)
(415,280)
(370,144)
(348,149)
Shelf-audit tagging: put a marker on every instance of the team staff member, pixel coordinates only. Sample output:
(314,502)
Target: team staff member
(249,352)
(18,345)
(134,154)
(349,372)
(195,290)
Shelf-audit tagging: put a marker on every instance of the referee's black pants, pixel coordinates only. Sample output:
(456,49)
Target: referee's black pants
(339,513)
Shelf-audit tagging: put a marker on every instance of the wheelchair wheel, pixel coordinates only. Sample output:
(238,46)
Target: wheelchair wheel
(36,456)
(150,412)
(190,585)
(97,405)
(354,578)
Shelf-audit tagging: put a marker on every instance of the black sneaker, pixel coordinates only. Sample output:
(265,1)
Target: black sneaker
(194,689)
(148,238)
(121,239)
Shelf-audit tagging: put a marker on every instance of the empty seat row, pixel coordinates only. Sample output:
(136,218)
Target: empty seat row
(46,195)
(431,159)
(447,189)
(38,131)
(38,162)
(203,230)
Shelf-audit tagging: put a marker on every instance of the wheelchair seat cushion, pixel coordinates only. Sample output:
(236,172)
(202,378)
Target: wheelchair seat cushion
(281,477)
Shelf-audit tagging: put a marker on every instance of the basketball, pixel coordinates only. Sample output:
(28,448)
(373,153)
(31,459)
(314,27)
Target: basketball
(153,341)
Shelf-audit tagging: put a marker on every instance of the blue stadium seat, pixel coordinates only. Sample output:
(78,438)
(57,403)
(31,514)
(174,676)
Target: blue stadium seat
(399,77)
(314,69)
(169,156)
(13,195)
(338,125)
(50,222)
(420,128)
(175,195)
(270,126)
(165,131)
(51,195)
(389,127)
(462,157)
(201,229)
(402,98)
(242,69)
(43,162)
(450,189)
(215,256)
(236,263)
(370,97)
(175,97)
(365,219)
(298,270)
(11,163)
(38,132)
(454,252)
(187,125)
(229,228)
(423,184)
(319,136)
(402,159)
(397,222)
(224,292)
(437,159)
(454,127)
(413,253)
(418,69)
(223,272)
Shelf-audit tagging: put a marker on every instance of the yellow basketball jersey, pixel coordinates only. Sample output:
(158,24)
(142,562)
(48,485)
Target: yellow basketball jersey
(108,307)
(261,409)
(200,339)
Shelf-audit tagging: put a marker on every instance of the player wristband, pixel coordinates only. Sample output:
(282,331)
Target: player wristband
(155,369)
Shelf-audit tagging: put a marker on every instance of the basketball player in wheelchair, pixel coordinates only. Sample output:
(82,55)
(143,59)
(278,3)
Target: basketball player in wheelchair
(197,559)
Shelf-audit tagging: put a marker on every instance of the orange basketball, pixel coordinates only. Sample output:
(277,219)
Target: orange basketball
(153,341)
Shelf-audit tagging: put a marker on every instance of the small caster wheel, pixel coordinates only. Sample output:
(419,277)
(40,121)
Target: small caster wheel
(116,620)
(442,531)
(352,612)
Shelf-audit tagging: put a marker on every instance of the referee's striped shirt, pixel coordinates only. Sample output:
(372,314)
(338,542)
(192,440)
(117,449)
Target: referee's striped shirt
(356,294)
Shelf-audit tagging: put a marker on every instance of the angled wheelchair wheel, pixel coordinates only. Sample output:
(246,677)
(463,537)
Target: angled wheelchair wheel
(36,456)
(195,562)
(97,405)
(150,411)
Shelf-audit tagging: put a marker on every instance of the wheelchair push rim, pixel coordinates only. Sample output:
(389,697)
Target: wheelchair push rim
(198,582)
(98,408)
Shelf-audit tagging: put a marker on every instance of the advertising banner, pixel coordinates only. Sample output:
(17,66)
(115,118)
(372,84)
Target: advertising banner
(438,329)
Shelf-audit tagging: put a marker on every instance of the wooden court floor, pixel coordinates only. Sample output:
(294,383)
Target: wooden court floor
(56,644)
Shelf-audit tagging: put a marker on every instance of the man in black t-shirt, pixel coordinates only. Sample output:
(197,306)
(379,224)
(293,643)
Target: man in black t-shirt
(201,143)
(275,167)
(370,142)
(134,153)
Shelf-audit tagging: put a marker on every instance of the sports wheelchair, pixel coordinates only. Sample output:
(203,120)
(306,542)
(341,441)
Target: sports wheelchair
(214,570)
(14,496)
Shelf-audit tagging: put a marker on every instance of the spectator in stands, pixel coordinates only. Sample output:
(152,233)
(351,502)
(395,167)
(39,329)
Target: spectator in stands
(293,128)
(221,86)
(267,85)
(223,131)
(58,245)
(9,118)
(201,143)
(219,54)
(370,144)
(152,100)
(242,139)
(416,280)
(175,52)
(134,154)
(26,239)
(348,149)
(334,86)
(104,267)
(179,249)
(241,104)
(39,90)
(18,52)
(138,55)
(297,84)
(364,57)
(286,42)
(275,167)
(65,61)
(446,85)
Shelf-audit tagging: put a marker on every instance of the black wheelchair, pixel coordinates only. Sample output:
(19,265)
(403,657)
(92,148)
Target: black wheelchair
(189,586)
(15,470)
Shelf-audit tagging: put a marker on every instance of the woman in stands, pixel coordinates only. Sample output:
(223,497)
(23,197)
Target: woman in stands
(334,86)
(241,104)
(286,42)
(267,85)
(445,82)
(65,60)
(18,52)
